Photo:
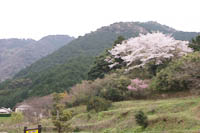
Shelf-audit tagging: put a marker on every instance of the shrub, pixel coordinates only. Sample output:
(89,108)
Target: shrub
(115,88)
(148,71)
(141,73)
(112,94)
(195,44)
(65,115)
(112,87)
(141,119)
(76,130)
(181,74)
(137,84)
(80,93)
(61,122)
(139,88)
(98,104)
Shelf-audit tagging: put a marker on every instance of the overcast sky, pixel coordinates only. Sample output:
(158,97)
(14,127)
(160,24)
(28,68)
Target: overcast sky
(37,18)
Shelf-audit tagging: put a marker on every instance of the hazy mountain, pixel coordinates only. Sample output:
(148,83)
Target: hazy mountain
(16,54)
(69,65)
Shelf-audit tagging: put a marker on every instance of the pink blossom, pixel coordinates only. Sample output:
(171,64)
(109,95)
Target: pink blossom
(136,81)
(143,86)
(132,88)
(137,85)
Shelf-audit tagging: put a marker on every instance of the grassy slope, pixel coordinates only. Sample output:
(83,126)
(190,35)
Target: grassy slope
(171,115)
(174,115)
(8,126)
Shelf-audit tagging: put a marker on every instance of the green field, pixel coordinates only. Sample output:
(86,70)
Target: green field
(181,115)
(175,115)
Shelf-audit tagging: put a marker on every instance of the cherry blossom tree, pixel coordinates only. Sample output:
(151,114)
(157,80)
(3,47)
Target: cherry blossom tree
(138,51)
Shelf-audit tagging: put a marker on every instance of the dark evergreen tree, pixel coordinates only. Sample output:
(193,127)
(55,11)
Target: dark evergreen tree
(195,44)
(100,66)
(119,40)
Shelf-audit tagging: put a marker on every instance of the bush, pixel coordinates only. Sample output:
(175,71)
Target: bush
(77,130)
(81,93)
(98,104)
(5,115)
(148,71)
(141,119)
(61,122)
(65,115)
(139,88)
(137,84)
(195,44)
(181,74)
(112,94)
(115,88)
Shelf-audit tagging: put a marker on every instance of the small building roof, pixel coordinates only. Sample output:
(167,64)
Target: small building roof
(5,110)
(24,106)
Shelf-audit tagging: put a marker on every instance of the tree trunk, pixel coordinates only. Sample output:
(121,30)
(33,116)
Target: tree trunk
(57,114)
(59,130)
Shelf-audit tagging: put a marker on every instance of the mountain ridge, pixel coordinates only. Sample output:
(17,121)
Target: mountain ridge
(121,28)
(16,54)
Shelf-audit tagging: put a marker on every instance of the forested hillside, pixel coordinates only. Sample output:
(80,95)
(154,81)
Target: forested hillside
(71,63)
(16,54)
(95,42)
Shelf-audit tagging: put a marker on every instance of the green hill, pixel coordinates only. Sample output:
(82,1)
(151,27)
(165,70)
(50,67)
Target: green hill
(70,64)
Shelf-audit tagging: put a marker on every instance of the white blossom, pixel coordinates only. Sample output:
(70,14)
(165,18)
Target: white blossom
(114,64)
(145,48)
